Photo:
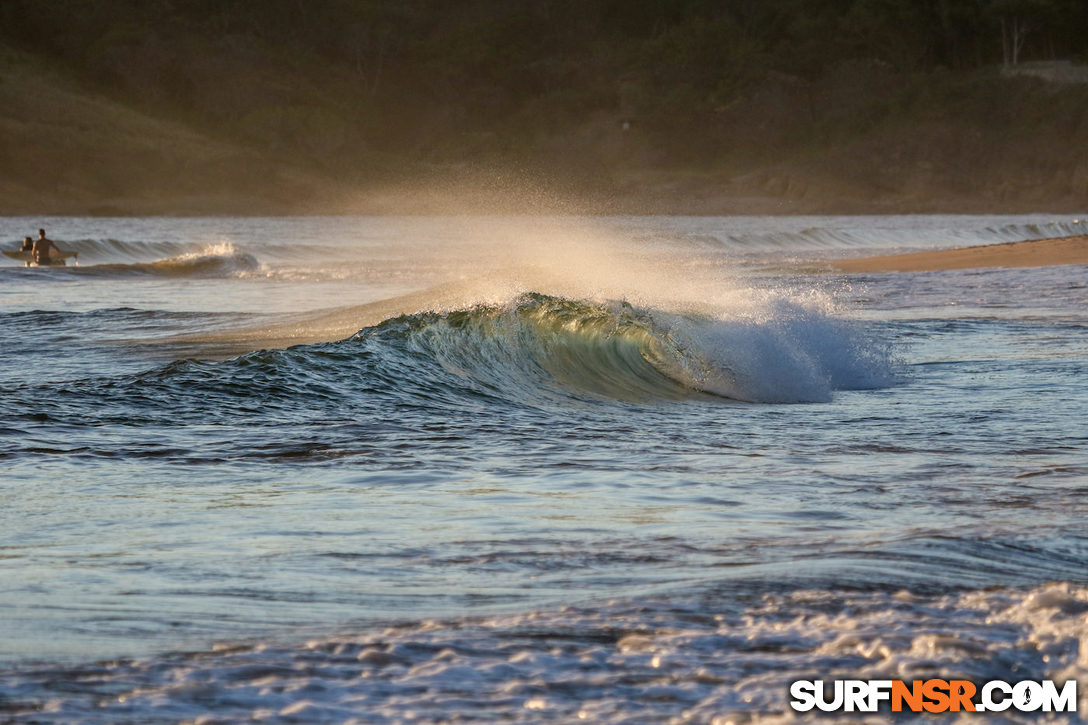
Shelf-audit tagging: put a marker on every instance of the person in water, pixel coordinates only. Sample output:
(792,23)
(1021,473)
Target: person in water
(28,244)
(41,248)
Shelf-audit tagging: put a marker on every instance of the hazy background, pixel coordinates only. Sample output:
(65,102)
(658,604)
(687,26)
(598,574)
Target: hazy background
(683,106)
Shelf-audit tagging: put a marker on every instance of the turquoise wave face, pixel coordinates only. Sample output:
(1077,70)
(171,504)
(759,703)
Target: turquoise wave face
(552,346)
(536,350)
(535,353)
(543,351)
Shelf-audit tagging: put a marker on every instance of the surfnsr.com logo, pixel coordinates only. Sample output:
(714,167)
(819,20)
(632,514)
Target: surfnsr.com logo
(933,696)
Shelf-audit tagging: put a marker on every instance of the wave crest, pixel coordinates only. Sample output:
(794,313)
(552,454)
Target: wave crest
(213,260)
(546,345)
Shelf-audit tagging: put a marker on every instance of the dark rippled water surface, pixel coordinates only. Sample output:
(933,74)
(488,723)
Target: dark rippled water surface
(608,470)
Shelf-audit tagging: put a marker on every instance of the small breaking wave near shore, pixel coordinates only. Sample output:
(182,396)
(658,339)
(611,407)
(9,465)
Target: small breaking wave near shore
(102,260)
(693,660)
(217,261)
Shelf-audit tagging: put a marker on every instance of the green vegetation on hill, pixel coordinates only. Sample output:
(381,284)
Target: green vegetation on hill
(681,105)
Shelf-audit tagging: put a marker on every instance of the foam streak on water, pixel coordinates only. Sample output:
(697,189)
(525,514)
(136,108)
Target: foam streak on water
(690,659)
(536,470)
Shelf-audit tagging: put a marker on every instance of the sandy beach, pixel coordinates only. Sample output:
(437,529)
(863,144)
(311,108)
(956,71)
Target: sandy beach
(1039,253)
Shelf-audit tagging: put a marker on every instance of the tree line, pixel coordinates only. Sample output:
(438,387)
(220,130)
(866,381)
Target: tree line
(410,75)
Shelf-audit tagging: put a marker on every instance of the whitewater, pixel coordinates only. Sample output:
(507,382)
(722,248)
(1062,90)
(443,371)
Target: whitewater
(532,469)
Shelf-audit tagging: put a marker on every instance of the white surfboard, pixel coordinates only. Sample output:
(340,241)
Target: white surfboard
(56,260)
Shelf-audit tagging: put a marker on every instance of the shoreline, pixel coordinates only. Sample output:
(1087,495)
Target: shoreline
(1033,253)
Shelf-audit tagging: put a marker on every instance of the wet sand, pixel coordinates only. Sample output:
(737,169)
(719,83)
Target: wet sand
(1039,253)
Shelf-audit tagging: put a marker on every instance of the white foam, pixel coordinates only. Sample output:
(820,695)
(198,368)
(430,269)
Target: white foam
(647,661)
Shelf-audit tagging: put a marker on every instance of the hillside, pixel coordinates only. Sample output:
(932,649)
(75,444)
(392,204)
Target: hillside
(68,150)
(382,107)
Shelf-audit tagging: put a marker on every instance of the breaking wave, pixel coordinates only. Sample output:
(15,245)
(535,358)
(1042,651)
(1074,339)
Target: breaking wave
(540,350)
(791,355)
(222,260)
(215,260)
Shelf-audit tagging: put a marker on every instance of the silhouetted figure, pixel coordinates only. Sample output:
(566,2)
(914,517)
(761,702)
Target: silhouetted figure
(42,245)
(28,244)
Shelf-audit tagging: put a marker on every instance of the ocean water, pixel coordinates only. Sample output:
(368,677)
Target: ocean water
(531,469)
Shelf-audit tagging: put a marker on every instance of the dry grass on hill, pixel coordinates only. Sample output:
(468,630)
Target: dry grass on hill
(67,150)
